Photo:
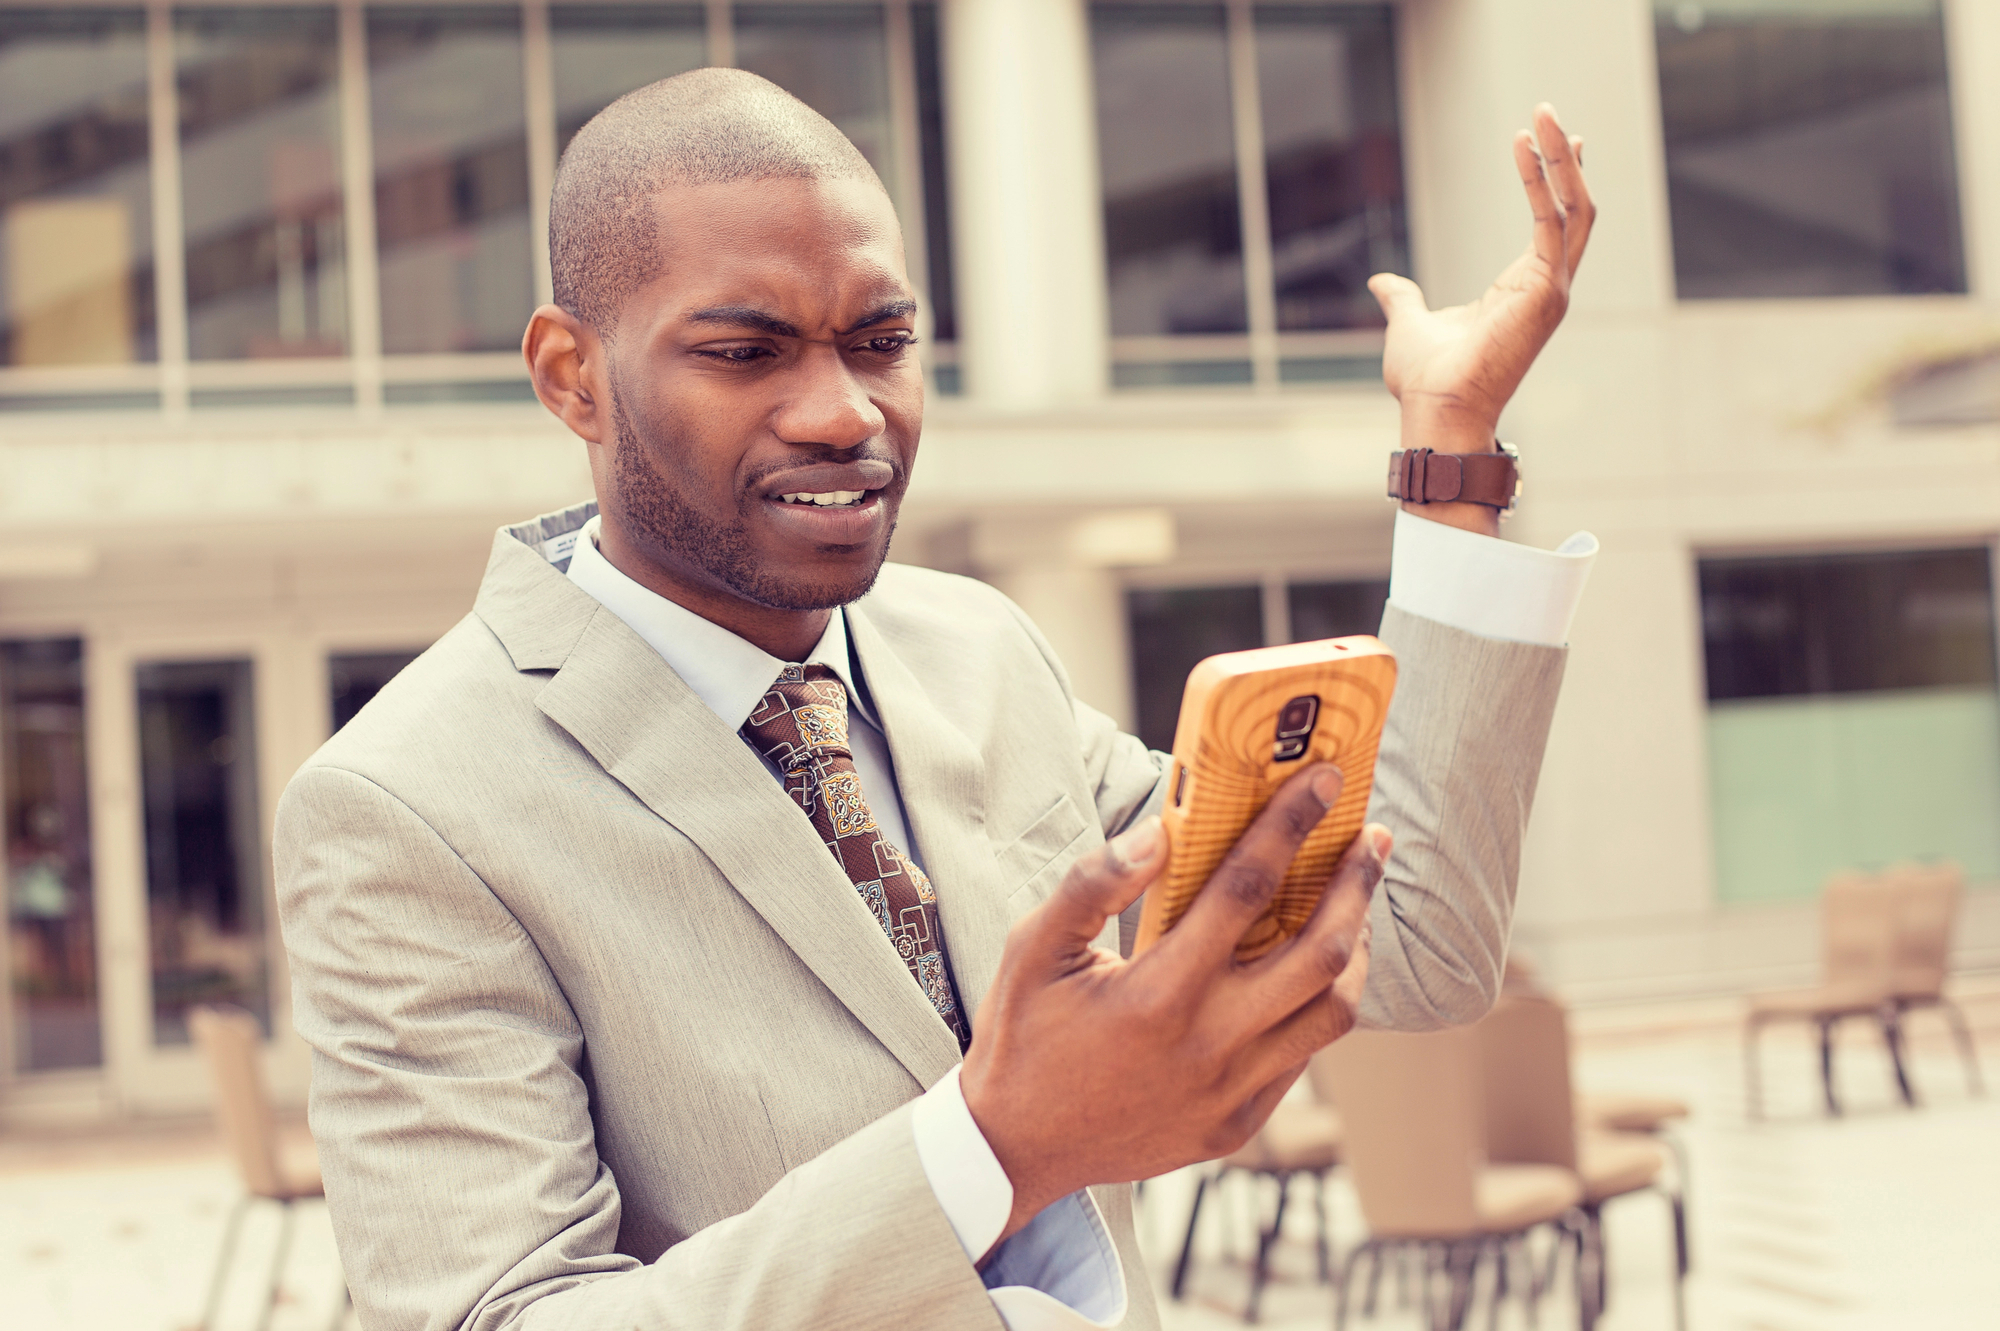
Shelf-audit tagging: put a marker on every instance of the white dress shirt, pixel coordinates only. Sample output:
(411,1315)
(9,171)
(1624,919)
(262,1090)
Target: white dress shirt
(1061,1270)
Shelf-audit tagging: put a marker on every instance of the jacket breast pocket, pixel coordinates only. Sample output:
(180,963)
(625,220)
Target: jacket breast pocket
(1032,864)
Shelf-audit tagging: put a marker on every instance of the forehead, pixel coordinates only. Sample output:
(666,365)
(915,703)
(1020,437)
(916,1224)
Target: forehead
(791,246)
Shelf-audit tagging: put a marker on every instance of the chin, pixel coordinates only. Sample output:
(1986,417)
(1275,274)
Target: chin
(812,587)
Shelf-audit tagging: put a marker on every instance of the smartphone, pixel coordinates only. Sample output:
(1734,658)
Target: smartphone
(1249,720)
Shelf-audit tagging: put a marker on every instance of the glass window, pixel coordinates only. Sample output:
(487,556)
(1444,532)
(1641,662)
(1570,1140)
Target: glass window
(1333,161)
(1172,629)
(451,177)
(602,52)
(1172,231)
(204,841)
(50,924)
(937,190)
(354,678)
(835,59)
(76,225)
(260,171)
(1852,716)
(1335,609)
(1809,147)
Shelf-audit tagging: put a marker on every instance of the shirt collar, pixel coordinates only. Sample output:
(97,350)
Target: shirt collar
(729,674)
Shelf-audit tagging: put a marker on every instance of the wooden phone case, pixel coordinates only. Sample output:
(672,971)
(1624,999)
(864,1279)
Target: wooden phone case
(1225,769)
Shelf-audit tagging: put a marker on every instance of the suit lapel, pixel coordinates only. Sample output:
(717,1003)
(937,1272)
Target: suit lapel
(942,779)
(650,732)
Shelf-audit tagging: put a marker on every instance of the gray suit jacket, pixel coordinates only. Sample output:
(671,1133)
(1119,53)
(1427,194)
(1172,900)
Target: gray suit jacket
(602,1035)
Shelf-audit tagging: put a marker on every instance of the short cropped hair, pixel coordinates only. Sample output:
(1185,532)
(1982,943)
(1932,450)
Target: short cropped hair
(704,127)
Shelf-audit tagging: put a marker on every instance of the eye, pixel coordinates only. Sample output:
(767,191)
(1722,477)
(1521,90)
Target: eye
(737,355)
(888,344)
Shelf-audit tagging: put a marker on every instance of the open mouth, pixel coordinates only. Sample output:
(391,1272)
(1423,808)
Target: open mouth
(827,498)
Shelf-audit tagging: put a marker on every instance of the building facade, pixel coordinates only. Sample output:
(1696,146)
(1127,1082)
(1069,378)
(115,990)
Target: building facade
(264,267)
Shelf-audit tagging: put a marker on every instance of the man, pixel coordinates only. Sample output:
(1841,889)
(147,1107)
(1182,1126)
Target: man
(640,926)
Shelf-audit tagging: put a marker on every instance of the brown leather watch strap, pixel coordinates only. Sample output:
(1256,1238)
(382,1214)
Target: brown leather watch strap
(1420,476)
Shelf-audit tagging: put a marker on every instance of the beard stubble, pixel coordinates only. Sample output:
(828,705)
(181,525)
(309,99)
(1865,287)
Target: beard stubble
(661,517)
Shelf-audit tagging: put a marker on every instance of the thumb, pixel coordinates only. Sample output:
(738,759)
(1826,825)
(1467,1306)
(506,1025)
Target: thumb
(1397,295)
(1100,885)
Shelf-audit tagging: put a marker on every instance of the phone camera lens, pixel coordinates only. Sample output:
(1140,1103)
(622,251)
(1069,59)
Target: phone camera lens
(1295,726)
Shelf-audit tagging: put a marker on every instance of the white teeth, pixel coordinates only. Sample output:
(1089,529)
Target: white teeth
(830,499)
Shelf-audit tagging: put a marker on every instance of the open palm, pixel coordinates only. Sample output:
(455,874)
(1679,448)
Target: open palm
(1455,369)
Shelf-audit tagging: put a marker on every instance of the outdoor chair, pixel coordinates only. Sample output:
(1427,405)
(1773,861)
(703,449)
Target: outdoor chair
(1413,1120)
(1302,1137)
(1859,926)
(1524,1055)
(1927,903)
(232,1042)
(1609,1112)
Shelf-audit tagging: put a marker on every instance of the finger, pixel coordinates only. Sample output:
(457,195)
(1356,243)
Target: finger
(1325,949)
(1398,296)
(1548,234)
(1242,886)
(1326,1017)
(1564,168)
(1098,886)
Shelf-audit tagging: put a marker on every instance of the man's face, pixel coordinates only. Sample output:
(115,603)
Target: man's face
(765,399)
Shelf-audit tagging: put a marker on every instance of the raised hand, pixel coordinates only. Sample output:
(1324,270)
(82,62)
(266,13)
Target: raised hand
(1087,1069)
(1454,369)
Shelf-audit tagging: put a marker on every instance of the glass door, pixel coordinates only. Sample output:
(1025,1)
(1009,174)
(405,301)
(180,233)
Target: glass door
(204,862)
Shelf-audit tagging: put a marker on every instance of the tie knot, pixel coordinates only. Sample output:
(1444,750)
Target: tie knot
(803,717)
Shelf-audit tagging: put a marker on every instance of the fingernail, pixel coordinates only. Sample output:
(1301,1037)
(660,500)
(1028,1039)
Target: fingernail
(1135,847)
(1326,786)
(1379,842)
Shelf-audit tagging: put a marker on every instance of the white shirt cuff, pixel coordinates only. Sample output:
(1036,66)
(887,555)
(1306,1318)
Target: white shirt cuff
(1483,585)
(1061,1271)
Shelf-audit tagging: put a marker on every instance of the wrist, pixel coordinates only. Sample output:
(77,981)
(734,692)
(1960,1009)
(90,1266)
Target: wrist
(1447,428)
(1024,1165)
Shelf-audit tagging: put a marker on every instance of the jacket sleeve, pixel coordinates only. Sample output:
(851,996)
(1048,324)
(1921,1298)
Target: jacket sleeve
(453,1122)
(1454,781)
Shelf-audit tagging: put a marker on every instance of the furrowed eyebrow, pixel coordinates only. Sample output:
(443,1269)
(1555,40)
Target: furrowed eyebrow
(895,309)
(742,316)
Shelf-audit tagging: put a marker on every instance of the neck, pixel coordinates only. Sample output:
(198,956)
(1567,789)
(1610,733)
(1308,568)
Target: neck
(789,635)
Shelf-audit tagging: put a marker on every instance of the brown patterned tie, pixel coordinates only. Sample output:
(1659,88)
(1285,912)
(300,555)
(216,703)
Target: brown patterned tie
(801,725)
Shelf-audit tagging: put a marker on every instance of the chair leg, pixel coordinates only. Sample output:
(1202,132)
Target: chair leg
(1968,1052)
(1589,1278)
(1262,1271)
(1502,1261)
(1325,1230)
(277,1264)
(1187,1246)
(1891,1025)
(1601,1253)
(1369,1249)
(1461,1269)
(215,1282)
(1678,1205)
(1826,1026)
(1369,1304)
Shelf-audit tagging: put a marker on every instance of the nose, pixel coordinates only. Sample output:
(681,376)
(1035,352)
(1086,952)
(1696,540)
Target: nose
(829,405)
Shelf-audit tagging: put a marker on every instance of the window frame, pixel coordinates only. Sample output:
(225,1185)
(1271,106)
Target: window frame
(1355,355)
(179,383)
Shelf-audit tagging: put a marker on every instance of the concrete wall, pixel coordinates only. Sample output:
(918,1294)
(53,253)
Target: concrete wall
(1667,429)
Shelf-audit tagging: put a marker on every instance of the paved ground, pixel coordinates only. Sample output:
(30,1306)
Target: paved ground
(1886,1219)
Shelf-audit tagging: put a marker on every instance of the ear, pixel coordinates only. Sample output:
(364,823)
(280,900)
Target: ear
(566,361)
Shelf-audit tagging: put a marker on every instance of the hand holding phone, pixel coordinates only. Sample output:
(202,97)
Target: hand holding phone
(1248,721)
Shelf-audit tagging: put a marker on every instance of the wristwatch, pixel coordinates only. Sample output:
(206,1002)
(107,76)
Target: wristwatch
(1421,476)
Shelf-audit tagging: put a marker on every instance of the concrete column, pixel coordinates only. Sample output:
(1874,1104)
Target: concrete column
(1472,72)
(1972,36)
(1026,217)
(1081,611)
